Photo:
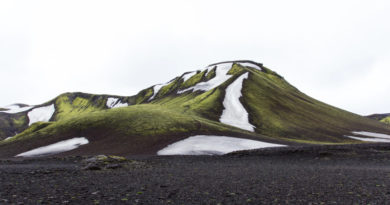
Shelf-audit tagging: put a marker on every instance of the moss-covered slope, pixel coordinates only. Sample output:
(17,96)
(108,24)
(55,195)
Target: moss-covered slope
(385,118)
(279,112)
(138,129)
(66,105)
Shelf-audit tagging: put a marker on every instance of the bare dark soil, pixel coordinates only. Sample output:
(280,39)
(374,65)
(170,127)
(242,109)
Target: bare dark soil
(358,174)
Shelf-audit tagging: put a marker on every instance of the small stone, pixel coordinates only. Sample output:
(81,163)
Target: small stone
(92,167)
(113,166)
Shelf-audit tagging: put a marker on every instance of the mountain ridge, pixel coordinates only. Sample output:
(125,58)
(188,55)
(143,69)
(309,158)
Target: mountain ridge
(278,112)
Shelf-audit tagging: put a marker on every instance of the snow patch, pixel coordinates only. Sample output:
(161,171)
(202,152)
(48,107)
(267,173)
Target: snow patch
(209,68)
(56,148)
(212,145)
(188,76)
(157,88)
(115,103)
(12,109)
(370,139)
(252,65)
(372,134)
(234,113)
(41,114)
(220,77)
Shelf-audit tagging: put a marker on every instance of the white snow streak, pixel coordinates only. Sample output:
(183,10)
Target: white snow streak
(371,136)
(370,139)
(212,145)
(42,114)
(234,113)
(12,109)
(188,76)
(250,65)
(220,77)
(157,88)
(209,68)
(55,148)
(115,103)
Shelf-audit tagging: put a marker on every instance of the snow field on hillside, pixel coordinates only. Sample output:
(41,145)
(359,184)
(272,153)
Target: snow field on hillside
(212,145)
(220,77)
(115,103)
(371,136)
(234,113)
(62,146)
(41,114)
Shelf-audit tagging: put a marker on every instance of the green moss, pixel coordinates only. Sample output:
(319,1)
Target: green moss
(31,130)
(269,71)
(118,158)
(208,104)
(169,88)
(211,74)
(275,108)
(195,79)
(144,124)
(67,106)
(386,120)
(144,95)
(19,122)
(279,110)
(236,69)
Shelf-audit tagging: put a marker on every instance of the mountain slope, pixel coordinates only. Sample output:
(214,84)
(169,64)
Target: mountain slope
(385,118)
(234,98)
(15,118)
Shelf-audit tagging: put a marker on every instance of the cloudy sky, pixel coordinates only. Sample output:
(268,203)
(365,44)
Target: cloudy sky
(335,51)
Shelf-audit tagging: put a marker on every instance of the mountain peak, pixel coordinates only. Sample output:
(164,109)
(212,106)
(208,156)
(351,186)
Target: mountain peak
(242,62)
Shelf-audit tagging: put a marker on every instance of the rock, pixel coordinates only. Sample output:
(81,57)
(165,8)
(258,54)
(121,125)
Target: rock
(100,162)
(92,166)
(113,166)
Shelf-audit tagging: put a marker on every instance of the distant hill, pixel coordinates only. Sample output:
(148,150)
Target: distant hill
(385,118)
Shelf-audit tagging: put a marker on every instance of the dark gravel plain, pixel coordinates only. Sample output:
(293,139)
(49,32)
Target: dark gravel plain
(353,174)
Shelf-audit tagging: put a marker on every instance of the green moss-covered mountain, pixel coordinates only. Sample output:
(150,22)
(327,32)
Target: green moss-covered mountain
(190,104)
(385,118)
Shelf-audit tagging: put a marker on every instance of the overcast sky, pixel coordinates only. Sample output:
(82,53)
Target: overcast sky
(335,51)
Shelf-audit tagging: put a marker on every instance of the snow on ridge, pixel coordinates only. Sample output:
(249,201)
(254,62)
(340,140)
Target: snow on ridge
(12,109)
(115,103)
(234,113)
(157,88)
(62,146)
(252,65)
(41,114)
(111,102)
(220,77)
(188,75)
(212,145)
(209,68)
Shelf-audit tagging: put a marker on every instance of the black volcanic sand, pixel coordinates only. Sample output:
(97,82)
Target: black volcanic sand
(358,174)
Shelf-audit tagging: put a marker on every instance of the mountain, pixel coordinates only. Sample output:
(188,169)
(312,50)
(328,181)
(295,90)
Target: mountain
(385,118)
(242,99)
